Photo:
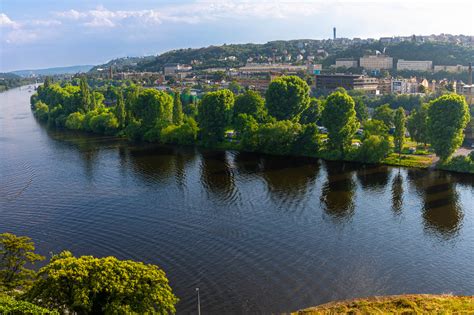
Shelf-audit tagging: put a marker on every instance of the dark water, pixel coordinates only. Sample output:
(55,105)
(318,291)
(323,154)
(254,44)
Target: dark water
(257,234)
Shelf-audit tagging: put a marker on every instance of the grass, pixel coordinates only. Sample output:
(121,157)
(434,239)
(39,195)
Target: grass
(409,160)
(397,304)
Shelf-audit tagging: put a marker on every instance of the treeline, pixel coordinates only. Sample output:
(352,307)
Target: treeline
(10,81)
(78,285)
(285,121)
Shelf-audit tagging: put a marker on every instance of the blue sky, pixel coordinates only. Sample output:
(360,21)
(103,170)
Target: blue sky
(47,33)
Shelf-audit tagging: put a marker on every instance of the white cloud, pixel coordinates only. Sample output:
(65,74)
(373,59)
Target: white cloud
(5,21)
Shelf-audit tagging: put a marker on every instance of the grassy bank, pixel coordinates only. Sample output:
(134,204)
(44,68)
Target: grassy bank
(397,304)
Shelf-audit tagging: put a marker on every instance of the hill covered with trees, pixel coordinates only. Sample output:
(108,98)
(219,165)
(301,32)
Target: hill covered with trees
(323,51)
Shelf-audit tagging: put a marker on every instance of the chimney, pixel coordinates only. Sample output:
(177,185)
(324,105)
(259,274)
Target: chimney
(469,73)
(334,32)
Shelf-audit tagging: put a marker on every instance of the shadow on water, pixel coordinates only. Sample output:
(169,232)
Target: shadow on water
(442,213)
(337,196)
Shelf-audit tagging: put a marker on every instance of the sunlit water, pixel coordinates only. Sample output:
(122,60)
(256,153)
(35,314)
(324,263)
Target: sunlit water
(256,233)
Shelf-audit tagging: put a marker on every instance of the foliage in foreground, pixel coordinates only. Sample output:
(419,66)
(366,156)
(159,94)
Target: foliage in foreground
(401,304)
(102,285)
(16,253)
(10,306)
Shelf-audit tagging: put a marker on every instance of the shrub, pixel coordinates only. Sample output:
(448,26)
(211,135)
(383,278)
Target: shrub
(104,123)
(185,133)
(9,305)
(41,111)
(75,121)
(373,149)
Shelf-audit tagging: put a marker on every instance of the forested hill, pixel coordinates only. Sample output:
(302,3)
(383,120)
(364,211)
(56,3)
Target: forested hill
(218,56)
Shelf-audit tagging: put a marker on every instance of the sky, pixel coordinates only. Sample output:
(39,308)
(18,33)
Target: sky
(49,33)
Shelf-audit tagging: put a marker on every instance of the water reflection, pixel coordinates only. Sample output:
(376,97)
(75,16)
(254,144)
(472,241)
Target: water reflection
(397,193)
(337,197)
(442,213)
(216,175)
(373,177)
(289,178)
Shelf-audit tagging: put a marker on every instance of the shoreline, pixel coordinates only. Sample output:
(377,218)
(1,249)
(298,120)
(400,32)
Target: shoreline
(412,303)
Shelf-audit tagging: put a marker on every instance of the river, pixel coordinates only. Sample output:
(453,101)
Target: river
(256,233)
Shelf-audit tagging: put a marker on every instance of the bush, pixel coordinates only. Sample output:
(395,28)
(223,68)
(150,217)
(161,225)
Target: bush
(184,134)
(373,149)
(463,164)
(41,111)
(278,137)
(75,121)
(104,123)
(10,306)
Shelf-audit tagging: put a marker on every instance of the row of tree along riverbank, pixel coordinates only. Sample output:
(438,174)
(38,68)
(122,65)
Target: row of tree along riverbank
(286,121)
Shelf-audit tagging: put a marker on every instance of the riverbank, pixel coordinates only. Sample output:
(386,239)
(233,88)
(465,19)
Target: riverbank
(397,304)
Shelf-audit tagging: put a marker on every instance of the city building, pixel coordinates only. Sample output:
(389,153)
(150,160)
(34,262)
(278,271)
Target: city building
(385,86)
(347,81)
(346,62)
(452,69)
(414,65)
(268,67)
(376,62)
(174,69)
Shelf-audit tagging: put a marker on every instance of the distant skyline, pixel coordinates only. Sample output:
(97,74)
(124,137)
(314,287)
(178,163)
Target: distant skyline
(42,34)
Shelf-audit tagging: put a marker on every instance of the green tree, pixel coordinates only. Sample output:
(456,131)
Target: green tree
(214,114)
(373,149)
(339,117)
(16,252)
(75,121)
(85,102)
(385,114)
(250,103)
(361,109)
(177,109)
(417,124)
(120,111)
(312,114)
(287,97)
(400,130)
(448,115)
(374,127)
(235,87)
(152,106)
(89,285)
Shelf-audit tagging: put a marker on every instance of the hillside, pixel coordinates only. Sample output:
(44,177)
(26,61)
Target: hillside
(53,71)
(11,80)
(325,52)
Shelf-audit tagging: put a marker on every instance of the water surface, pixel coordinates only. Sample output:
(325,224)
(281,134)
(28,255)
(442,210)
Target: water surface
(256,233)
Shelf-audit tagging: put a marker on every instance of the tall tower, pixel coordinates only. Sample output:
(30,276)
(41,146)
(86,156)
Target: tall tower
(333,33)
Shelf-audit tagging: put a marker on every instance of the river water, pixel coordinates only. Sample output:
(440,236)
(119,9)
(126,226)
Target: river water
(256,233)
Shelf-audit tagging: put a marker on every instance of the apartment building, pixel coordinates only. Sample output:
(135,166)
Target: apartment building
(415,65)
(376,62)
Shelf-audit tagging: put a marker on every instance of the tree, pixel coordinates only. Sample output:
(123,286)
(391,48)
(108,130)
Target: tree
(85,95)
(152,106)
(312,114)
(177,109)
(385,114)
(250,103)
(448,115)
(375,127)
(89,285)
(235,87)
(287,97)
(75,121)
(361,109)
(417,124)
(373,149)
(399,134)
(339,117)
(120,111)
(215,113)
(16,252)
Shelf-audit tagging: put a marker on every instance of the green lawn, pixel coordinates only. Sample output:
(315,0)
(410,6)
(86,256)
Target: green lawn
(409,160)
(400,304)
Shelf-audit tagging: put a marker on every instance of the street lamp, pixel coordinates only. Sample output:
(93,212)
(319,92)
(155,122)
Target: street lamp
(199,302)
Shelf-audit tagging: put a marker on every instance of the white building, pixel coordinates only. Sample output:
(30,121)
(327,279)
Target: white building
(376,62)
(174,68)
(346,62)
(414,65)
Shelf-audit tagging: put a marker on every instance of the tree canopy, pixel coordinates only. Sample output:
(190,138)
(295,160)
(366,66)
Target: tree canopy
(287,97)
